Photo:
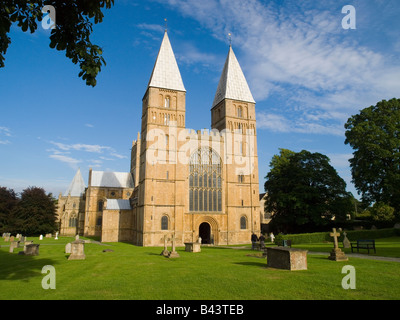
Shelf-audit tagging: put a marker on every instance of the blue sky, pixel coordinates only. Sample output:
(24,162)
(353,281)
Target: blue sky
(307,74)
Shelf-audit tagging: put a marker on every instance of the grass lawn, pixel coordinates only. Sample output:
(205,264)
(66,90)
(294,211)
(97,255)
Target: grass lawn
(216,273)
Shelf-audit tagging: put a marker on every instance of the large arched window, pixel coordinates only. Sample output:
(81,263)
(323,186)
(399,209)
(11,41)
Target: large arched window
(205,181)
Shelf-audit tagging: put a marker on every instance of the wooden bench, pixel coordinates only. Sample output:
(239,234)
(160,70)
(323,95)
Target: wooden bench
(363,244)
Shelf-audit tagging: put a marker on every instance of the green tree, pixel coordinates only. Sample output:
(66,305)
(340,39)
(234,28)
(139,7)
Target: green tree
(374,134)
(8,202)
(305,190)
(74,24)
(35,213)
(382,212)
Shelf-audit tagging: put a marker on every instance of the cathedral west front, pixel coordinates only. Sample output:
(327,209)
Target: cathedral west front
(187,183)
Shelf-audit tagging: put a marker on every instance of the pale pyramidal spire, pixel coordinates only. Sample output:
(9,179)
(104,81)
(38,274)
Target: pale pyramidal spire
(166,73)
(77,186)
(232,84)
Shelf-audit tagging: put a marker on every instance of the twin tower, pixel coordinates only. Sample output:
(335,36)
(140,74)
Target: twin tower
(182,182)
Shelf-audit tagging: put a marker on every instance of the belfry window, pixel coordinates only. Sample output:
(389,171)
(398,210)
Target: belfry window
(205,185)
(167,102)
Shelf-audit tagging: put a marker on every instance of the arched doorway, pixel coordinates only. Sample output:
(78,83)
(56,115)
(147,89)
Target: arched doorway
(205,233)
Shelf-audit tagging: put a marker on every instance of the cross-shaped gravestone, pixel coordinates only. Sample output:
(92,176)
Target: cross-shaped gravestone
(335,236)
(336,253)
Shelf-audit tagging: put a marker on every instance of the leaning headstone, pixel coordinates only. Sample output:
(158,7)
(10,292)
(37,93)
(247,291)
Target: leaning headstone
(346,241)
(68,248)
(336,254)
(77,250)
(32,249)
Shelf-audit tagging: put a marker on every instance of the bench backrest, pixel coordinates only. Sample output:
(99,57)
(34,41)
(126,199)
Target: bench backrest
(366,241)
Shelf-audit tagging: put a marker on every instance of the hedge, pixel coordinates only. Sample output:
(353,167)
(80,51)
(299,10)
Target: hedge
(319,237)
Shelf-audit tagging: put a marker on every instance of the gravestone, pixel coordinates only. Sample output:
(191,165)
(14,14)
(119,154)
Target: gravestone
(31,249)
(173,253)
(77,237)
(336,254)
(77,250)
(397,226)
(346,241)
(68,248)
(41,237)
(27,243)
(165,252)
(286,258)
(13,245)
(12,238)
(192,247)
(56,238)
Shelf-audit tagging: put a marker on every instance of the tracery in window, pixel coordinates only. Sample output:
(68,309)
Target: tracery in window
(205,181)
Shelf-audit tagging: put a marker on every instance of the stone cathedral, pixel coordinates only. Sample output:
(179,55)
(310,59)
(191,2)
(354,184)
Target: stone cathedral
(182,182)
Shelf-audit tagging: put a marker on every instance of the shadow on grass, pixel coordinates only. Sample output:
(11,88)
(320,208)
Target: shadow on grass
(253,263)
(14,266)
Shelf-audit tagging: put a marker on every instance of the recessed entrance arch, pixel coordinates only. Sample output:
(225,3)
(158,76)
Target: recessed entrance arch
(205,233)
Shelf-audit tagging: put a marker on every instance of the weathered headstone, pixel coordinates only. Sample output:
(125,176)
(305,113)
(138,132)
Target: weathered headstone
(346,241)
(13,245)
(27,243)
(192,247)
(32,249)
(77,250)
(286,258)
(173,253)
(165,252)
(336,254)
(68,248)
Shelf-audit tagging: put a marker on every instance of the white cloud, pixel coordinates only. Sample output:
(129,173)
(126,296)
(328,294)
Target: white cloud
(73,163)
(300,53)
(67,153)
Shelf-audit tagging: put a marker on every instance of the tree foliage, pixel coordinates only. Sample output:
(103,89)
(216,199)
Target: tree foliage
(304,190)
(74,25)
(8,202)
(374,134)
(33,213)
